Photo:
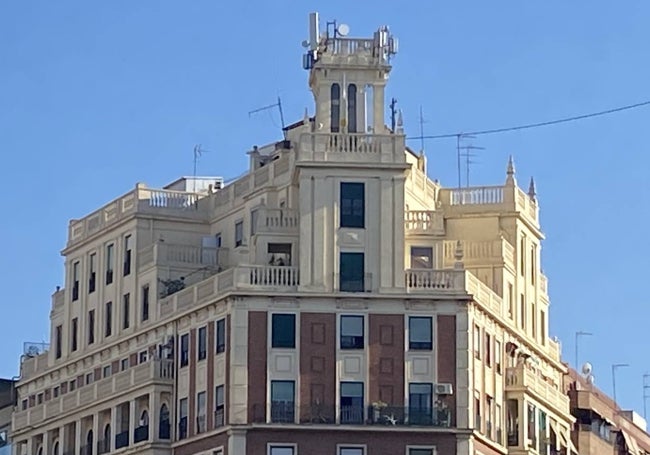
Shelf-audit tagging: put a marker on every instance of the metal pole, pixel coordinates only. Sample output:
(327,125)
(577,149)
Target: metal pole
(614,367)
(578,335)
(646,386)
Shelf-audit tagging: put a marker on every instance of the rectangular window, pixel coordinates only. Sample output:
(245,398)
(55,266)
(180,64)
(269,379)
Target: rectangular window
(221,335)
(73,385)
(351,451)
(511,301)
(182,419)
(497,424)
(352,332)
(542,326)
(533,320)
(145,302)
(127,255)
(108,328)
(522,310)
(201,419)
(352,205)
(420,333)
(512,422)
(477,411)
(185,350)
(59,339)
(477,342)
(202,343)
(352,273)
(91,326)
(418,451)
(124,364)
(75,329)
(219,407)
(75,281)
(488,416)
(110,253)
(522,256)
(89,378)
(106,372)
(55,392)
(126,304)
(497,355)
(217,240)
(282,450)
(533,264)
(254,217)
(92,273)
(282,401)
(239,233)
(283,331)
(142,357)
(488,350)
(420,403)
(352,402)
(421,257)
(279,254)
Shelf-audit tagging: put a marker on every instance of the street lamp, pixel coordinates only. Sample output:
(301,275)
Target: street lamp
(614,368)
(578,335)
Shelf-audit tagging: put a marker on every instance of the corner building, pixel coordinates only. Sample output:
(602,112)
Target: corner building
(332,301)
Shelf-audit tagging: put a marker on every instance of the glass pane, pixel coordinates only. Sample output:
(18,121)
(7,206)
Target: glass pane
(351,451)
(351,325)
(420,451)
(352,389)
(282,451)
(283,331)
(420,329)
(219,395)
(352,272)
(282,391)
(421,257)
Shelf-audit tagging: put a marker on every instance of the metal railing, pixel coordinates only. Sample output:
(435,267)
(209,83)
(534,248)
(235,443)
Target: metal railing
(122,439)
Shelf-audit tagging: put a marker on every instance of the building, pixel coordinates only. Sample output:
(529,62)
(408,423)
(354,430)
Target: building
(601,426)
(333,300)
(7,403)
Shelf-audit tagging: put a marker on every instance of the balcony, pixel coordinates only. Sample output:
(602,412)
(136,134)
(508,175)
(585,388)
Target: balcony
(152,372)
(424,222)
(480,253)
(432,417)
(141,200)
(278,220)
(121,439)
(348,148)
(523,379)
(182,257)
(242,278)
(141,433)
(426,281)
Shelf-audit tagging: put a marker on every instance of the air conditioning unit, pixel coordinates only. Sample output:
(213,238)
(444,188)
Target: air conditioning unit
(444,388)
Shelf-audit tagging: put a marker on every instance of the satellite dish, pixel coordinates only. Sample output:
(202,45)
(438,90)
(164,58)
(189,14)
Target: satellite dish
(587,369)
(305,43)
(591,379)
(343,29)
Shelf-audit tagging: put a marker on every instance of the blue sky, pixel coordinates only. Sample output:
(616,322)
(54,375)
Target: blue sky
(96,96)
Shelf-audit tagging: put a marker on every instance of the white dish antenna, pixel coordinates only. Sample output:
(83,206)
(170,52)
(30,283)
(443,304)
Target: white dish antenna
(587,369)
(343,29)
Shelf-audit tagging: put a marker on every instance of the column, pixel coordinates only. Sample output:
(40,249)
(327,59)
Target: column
(378,109)
(132,421)
(96,436)
(46,442)
(77,436)
(30,446)
(63,440)
(154,415)
(114,430)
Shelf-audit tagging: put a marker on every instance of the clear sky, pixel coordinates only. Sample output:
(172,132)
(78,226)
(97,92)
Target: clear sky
(96,96)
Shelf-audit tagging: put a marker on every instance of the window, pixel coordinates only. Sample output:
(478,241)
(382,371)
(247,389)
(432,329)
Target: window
(92,273)
(91,326)
(75,329)
(75,281)
(419,451)
(352,272)
(522,315)
(124,363)
(200,413)
(145,302)
(511,303)
(239,233)
(254,217)
(221,335)
(127,255)
(108,328)
(279,254)
(142,357)
(522,255)
(352,332)
(420,333)
(497,423)
(512,422)
(477,342)
(126,301)
(497,355)
(421,257)
(219,408)
(182,419)
(89,378)
(420,402)
(217,238)
(488,350)
(59,339)
(477,411)
(282,401)
(352,205)
(351,451)
(335,108)
(283,331)
(488,416)
(282,450)
(533,264)
(533,320)
(352,108)
(72,385)
(542,326)
(202,343)
(109,262)
(352,402)
(107,371)
(185,346)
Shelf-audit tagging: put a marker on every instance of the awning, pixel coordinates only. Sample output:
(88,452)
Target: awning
(564,440)
(631,444)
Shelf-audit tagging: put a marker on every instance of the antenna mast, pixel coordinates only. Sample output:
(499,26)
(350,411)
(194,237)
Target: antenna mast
(421,131)
(278,104)
(393,114)
(198,151)
(468,160)
(646,394)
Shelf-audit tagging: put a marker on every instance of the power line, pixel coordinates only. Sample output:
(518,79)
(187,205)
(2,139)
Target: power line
(535,125)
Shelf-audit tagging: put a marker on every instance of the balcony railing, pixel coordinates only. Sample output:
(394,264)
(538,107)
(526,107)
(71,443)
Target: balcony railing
(164,430)
(122,439)
(522,378)
(426,222)
(428,417)
(141,433)
(427,280)
(182,256)
(352,147)
(480,252)
(274,220)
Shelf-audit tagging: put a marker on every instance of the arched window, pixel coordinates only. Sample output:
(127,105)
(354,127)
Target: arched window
(335,116)
(163,430)
(107,437)
(40,450)
(89,441)
(144,418)
(352,108)
(55,448)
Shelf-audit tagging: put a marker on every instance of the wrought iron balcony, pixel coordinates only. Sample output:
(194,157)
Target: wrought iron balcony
(396,415)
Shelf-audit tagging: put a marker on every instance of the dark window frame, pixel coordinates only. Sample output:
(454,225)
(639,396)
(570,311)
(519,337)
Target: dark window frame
(352,340)
(352,208)
(420,345)
(202,343)
(220,335)
(184,350)
(280,338)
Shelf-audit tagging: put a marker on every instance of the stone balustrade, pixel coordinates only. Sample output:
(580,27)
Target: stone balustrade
(274,220)
(424,222)
(523,379)
(182,256)
(352,148)
(499,250)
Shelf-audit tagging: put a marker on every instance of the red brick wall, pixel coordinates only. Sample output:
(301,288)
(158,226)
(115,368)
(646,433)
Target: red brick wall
(191,399)
(210,372)
(257,352)
(206,444)
(386,358)
(317,361)
(447,357)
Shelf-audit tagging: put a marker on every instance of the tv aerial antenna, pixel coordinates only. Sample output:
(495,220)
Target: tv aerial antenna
(468,155)
(422,122)
(277,105)
(460,137)
(198,152)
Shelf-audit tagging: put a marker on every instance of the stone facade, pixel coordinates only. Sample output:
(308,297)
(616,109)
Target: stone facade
(333,300)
